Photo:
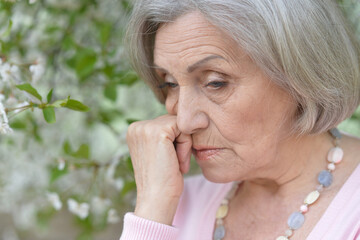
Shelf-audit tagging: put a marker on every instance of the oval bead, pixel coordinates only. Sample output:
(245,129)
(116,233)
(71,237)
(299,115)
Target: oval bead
(325,178)
(282,238)
(312,197)
(335,155)
(222,211)
(296,220)
(219,232)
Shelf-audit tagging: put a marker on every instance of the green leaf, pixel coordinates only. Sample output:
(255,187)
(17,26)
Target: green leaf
(128,187)
(44,217)
(104,32)
(49,96)
(18,124)
(67,148)
(110,92)
(49,114)
(55,174)
(68,44)
(8,30)
(59,103)
(131,120)
(30,89)
(109,70)
(85,235)
(76,105)
(128,78)
(129,164)
(82,152)
(85,62)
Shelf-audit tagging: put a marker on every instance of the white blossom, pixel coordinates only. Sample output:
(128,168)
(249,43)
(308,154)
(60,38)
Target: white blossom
(11,101)
(99,205)
(37,70)
(118,184)
(5,72)
(113,216)
(25,216)
(5,129)
(32,1)
(61,164)
(79,209)
(4,122)
(9,71)
(54,199)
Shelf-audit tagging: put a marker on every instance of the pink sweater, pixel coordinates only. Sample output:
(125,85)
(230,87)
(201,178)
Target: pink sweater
(195,215)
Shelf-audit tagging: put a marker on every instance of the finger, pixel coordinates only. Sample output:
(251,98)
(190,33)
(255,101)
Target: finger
(183,151)
(185,166)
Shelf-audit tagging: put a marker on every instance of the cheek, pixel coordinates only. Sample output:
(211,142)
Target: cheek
(248,120)
(242,121)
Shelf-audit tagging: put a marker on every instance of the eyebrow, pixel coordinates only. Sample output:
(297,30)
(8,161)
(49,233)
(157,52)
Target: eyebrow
(194,66)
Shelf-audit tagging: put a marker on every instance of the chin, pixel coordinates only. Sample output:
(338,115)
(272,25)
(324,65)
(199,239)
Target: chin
(216,176)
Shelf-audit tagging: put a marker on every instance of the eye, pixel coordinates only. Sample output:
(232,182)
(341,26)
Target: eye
(216,84)
(216,80)
(169,82)
(168,85)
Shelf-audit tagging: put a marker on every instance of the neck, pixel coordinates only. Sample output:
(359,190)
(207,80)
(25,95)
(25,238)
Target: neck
(294,169)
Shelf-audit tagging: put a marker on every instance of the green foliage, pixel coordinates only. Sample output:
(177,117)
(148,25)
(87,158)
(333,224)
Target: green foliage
(49,96)
(49,114)
(75,105)
(55,174)
(30,89)
(78,43)
(7,31)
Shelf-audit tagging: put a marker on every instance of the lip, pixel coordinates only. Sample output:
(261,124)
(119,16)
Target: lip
(205,153)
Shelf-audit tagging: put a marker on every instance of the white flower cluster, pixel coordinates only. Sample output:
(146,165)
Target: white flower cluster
(4,122)
(79,209)
(37,70)
(55,201)
(8,72)
(82,210)
(118,183)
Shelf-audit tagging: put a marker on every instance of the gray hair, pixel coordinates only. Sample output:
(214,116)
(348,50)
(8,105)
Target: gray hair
(304,46)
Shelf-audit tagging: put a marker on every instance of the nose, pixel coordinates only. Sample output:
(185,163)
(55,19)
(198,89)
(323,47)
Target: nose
(190,112)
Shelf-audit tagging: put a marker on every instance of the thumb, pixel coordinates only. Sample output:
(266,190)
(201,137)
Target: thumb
(183,144)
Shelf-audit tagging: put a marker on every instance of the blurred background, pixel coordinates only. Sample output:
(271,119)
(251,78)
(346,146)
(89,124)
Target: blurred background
(67,96)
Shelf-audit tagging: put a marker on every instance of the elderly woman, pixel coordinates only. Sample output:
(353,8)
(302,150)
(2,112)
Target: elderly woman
(253,89)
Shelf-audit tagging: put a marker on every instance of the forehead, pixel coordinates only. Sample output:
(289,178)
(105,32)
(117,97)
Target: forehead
(189,37)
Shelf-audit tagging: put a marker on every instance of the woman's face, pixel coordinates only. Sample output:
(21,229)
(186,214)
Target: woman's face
(237,117)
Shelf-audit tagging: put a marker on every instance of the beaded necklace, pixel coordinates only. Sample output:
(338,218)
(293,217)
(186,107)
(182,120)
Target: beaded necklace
(296,219)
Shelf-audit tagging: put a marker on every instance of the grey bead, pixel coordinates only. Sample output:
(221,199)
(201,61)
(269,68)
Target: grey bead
(325,178)
(296,220)
(219,232)
(335,133)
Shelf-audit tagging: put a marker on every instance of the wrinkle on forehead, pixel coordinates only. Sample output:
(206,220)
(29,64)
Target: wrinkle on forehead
(192,35)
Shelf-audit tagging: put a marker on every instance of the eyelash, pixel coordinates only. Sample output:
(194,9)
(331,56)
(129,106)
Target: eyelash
(168,85)
(217,84)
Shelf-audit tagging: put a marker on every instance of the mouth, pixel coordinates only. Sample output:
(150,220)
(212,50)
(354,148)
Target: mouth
(205,153)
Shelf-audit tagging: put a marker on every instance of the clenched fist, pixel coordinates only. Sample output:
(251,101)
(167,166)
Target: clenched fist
(160,154)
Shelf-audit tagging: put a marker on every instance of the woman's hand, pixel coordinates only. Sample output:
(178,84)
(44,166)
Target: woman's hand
(160,154)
